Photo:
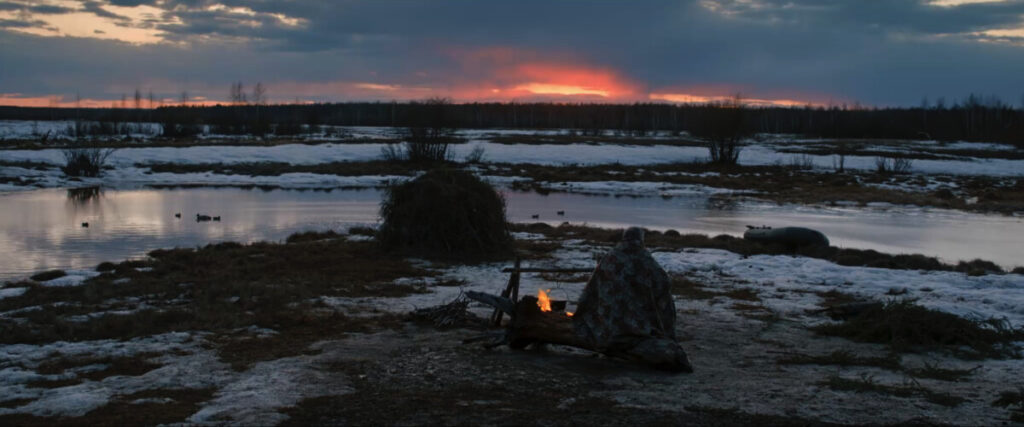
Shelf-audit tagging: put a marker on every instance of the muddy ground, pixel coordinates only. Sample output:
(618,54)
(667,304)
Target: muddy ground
(252,334)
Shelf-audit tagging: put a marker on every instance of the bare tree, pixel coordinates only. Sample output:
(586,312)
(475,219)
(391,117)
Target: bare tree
(138,99)
(184,97)
(259,94)
(237,94)
(151,103)
(722,126)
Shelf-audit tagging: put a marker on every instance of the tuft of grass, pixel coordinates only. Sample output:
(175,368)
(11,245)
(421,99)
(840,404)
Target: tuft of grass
(833,297)
(743,294)
(689,289)
(362,231)
(312,236)
(1014,401)
(134,365)
(48,275)
(936,372)
(904,326)
(866,384)
(842,358)
(978,267)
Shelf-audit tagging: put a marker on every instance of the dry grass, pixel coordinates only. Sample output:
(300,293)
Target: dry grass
(242,351)
(217,287)
(935,372)
(690,289)
(842,358)
(445,214)
(48,275)
(378,167)
(867,384)
(670,240)
(905,326)
(1014,401)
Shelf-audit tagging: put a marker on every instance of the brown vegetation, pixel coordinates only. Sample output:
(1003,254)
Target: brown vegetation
(842,256)
(445,214)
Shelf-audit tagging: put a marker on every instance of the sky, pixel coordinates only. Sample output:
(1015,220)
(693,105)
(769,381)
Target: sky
(769,52)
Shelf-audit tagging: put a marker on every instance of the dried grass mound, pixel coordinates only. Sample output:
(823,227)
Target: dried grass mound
(445,214)
(906,326)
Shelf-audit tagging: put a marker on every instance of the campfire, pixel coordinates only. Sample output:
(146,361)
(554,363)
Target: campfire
(625,311)
(546,304)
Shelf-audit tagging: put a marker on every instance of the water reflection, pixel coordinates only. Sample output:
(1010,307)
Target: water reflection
(42,229)
(722,203)
(84,195)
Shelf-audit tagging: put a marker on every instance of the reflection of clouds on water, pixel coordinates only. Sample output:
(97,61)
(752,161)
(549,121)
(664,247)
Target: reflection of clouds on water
(41,229)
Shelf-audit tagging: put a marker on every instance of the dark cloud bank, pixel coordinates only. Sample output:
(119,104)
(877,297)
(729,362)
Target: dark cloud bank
(878,53)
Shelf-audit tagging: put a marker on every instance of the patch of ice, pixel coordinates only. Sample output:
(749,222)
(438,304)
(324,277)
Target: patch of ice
(254,396)
(11,292)
(73,278)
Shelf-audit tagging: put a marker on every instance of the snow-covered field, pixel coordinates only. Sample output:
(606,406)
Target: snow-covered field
(127,172)
(540,154)
(763,150)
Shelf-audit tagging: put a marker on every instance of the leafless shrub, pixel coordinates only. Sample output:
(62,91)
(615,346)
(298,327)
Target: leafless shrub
(476,155)
(893,164)
(427,140)
(85,161)
(802,162)
(901,165)
(722,126)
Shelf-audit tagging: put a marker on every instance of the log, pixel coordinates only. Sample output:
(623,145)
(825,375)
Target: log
(548,270)
(501,303)
(530,325)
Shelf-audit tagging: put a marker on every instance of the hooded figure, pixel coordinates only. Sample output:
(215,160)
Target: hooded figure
(627,300)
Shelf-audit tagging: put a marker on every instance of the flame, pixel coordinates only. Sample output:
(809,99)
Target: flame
(542,300)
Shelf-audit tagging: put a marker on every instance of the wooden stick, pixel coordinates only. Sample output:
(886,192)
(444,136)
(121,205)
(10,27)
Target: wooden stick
(501,304)
(549,270)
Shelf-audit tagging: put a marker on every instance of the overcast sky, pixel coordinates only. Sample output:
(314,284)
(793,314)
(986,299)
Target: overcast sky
(875,52)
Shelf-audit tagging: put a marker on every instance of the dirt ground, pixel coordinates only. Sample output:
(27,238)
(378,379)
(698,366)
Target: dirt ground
(347,354)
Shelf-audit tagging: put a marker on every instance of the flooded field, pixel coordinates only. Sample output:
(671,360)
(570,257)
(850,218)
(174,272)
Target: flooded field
(44,229)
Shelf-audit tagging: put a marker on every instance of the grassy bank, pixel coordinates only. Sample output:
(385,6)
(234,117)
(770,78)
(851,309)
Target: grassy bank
(672,240)
(781,184)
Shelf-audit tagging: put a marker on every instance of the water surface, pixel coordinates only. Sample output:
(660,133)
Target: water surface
(43,229)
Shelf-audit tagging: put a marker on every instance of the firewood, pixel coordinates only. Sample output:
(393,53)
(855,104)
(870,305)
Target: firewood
(530,325)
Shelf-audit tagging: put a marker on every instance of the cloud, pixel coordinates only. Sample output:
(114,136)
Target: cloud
(880,53)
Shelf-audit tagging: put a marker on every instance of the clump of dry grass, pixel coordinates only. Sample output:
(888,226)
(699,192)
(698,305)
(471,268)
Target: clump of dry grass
(841,358)
(905,326)
(48,275)
(445,214)
(867,384)
(1014,401)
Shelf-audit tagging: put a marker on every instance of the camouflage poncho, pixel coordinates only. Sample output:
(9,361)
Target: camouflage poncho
(627,298)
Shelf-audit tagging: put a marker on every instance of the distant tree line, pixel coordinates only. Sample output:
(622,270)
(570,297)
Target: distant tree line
(974,119)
